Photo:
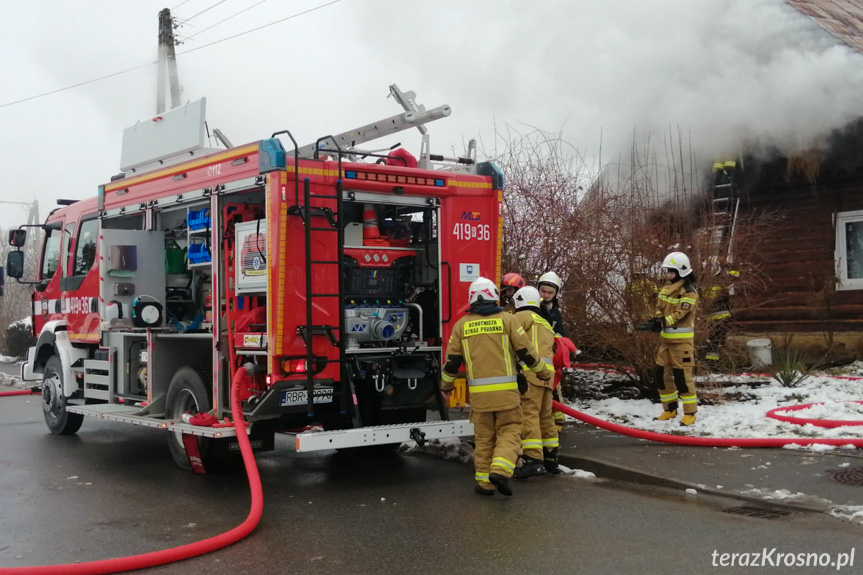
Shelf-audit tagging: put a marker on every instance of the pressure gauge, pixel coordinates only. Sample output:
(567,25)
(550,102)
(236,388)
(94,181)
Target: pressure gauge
(146,313)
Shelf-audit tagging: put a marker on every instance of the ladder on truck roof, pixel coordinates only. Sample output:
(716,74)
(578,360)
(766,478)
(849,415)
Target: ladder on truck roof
(414,116)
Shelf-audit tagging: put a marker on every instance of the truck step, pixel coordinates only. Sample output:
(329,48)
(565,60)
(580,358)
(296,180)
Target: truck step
(129,414)
(381,435)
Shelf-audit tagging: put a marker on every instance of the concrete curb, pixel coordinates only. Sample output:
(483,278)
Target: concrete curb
(618,472)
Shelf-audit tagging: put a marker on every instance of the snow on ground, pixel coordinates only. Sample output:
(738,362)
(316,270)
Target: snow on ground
(739,409)
(8,359)
(456,449)
(577,473)
(6,379)
(21,322)
(849,512)
(843,411)
(450,448)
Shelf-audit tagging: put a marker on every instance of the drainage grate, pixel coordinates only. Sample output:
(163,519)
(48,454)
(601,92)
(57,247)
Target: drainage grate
(848,476)
(757,512)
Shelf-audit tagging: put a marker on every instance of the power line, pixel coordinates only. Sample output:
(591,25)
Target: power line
(228,18)
(178,5)
(204,10)
(310,10)
(43,94)
(75,85)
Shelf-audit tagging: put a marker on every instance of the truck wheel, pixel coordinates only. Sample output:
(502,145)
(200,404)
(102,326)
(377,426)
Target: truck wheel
(187,392)
(59,421)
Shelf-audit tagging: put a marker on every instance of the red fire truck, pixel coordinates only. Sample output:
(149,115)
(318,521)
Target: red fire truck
(336,272)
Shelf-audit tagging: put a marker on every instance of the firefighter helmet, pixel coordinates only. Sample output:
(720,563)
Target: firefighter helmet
(551,279)
(513,280)
(677,261)
(482,289)
(527,296)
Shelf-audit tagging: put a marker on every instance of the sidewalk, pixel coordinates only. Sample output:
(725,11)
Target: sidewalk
(796,480)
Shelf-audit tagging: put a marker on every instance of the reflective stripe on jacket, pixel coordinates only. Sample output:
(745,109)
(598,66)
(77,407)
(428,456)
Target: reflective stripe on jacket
(542,339)
(676,305)
(487,345)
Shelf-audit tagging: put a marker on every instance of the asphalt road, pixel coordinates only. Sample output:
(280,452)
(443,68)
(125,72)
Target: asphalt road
(113,490)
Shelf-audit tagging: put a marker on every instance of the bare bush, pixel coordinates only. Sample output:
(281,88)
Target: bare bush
(607,242)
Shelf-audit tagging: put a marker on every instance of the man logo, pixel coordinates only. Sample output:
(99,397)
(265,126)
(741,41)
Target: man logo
(471,216)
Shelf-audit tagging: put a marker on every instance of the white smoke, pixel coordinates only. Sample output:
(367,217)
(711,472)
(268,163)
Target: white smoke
(726,73)
(723,73)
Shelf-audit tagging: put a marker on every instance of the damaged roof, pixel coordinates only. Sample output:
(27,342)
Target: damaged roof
(841,18)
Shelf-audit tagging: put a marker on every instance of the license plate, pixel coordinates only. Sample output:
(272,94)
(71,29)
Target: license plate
(301,397)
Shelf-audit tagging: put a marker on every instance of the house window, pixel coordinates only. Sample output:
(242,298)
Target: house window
(849,250)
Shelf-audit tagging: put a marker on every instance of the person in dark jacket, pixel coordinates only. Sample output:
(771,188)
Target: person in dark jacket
(549,287)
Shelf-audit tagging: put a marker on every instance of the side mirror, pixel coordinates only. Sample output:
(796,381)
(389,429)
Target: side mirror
(15,265)
(17,239)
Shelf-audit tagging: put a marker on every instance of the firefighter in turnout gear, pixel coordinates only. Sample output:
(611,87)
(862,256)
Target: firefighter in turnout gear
(548,285)
(539,442)
(675,321)
(489,341)
(511,283)
(717,303)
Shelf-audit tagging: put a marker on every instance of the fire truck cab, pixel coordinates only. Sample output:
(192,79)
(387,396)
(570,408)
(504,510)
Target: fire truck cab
(334,274)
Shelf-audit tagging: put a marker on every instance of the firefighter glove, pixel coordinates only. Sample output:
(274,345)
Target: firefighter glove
(545,374)
(653,324)
(522,383)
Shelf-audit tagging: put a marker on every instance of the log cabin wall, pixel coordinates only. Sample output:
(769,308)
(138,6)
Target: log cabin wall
(799,257)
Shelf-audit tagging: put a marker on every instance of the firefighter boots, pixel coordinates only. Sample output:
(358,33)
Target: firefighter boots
(550,461)
(688,419)
(529,468)
(666,415)
(481,491)
(502,483)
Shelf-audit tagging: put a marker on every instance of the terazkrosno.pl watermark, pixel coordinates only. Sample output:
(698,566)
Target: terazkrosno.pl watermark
(774,558)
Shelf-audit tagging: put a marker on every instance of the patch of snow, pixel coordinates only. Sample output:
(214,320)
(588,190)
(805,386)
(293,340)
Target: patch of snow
(734,418)
(21,322)
(838,410)
(780,494)
(577,473)
(817,448)
(691,491)
(449,448)
(849,512)
(8,359)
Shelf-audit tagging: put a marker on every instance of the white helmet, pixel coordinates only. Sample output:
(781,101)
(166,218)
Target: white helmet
(482,289)
(528,296)
(678,261)
(549,278)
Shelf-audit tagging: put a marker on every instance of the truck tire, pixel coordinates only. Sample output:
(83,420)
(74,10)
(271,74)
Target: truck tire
(59,421)
(187,392)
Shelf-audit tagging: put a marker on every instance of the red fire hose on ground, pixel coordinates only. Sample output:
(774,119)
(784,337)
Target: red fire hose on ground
(703,441)
(19,392)
(828,423)
(184,551)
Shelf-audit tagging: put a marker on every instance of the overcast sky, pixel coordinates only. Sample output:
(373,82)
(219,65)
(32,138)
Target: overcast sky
(723,71)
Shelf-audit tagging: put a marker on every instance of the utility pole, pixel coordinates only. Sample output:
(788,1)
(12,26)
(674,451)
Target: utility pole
(167,63)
